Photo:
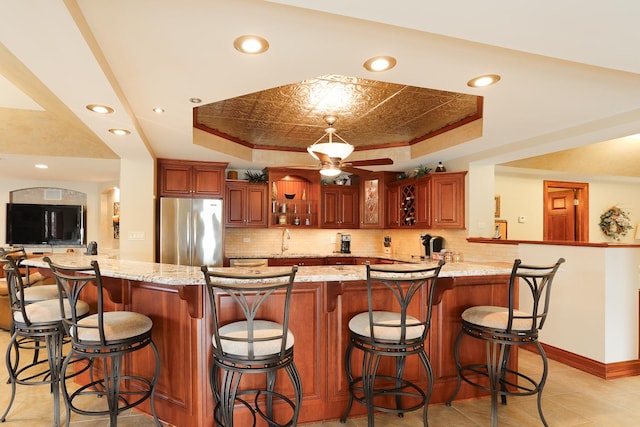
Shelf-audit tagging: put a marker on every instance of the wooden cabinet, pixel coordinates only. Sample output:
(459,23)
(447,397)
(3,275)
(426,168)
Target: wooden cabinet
(392,207)
(245,204)
(423,211)
(179,178)
(431,201)
(286,262)
(402,204)
(373,199)
(339,206)
(447,200)
(300,209)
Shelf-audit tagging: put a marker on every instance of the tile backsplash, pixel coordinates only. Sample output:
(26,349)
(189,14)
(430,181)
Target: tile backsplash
(404,243)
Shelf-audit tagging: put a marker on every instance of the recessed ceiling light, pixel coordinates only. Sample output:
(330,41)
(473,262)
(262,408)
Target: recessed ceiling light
(100,109)
(251,44)
(195,100)
(41,166)
(380,63)
(158,110)
(482,81)
(119,132)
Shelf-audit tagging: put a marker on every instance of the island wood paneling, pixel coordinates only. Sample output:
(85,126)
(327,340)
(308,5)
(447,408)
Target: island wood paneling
(319,318)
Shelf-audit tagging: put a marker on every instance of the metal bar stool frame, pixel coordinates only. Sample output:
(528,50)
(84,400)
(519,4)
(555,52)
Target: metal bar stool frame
(100,337)
(238,346)
(505,327)
(392,334)
(32,331)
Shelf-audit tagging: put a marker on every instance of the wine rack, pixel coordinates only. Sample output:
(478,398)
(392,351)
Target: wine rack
(407,206)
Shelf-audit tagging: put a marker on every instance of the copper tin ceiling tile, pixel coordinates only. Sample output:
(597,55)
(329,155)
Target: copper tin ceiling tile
(370,114)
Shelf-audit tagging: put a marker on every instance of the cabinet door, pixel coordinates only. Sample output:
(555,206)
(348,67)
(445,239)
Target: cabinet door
(423,212)
(234,202)
(175,180)
(256,214)
(393,206)
(245,205)
(371,197)
(448,200)
(329,206)
(348,207)
(340,207)
(207,181)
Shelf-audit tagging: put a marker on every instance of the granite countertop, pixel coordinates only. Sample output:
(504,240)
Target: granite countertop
(171,274)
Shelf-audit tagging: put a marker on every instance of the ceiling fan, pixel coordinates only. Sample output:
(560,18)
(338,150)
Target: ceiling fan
(332,154)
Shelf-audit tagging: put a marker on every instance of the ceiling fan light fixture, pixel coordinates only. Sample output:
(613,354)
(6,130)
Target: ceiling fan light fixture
(380,63)
(330,170)
(333,150)
(339,150)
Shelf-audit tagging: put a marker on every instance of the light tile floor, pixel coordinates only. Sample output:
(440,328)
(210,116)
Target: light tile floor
(571,398)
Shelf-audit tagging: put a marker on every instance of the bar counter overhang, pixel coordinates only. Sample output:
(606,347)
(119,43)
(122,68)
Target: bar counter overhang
(323,301)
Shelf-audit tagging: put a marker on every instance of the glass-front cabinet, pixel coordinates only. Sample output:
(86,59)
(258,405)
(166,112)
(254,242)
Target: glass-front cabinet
(294,197)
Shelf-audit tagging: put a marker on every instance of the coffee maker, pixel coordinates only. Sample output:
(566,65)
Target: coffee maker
(344,240)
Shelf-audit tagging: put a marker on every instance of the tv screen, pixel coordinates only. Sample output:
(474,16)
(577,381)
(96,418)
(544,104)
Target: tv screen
(34,224)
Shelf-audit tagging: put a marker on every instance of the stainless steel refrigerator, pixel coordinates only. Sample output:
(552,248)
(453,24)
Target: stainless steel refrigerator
(191,231)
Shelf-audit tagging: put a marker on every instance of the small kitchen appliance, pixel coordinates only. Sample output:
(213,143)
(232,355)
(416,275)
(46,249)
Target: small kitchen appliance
(345,243)
(432,244)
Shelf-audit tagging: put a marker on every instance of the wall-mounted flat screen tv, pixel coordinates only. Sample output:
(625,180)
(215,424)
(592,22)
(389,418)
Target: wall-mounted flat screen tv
(35,224)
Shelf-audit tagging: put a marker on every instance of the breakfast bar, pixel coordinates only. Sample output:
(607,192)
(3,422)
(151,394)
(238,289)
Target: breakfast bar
(323,301)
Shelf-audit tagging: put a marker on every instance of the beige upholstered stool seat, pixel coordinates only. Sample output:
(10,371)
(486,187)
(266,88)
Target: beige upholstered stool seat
(118,325)
(40,293)
(493,317)
(48,311)
(262,330)
(359,324)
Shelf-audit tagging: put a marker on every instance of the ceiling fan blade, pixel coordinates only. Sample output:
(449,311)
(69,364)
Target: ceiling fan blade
(371,162)
(322,157)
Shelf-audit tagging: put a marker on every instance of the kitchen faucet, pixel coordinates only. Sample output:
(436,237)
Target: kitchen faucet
(284,246)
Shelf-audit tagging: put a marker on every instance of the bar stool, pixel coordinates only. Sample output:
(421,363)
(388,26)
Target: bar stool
(107,337)
(504,327)
(35,326)
(398,334)
(250,314)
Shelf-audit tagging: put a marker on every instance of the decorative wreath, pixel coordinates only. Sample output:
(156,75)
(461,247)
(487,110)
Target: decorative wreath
(615,223)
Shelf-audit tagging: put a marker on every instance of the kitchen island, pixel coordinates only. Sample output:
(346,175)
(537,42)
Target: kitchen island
(323,301)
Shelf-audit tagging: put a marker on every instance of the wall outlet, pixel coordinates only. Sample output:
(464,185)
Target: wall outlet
(136,235)
(246,240)
(522,219)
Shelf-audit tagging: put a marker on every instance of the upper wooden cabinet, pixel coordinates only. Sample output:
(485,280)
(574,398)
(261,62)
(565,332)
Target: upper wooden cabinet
(339,206)
(373,199)
(432,201)
(179,178)
(300,209)
(245,204)
(447,199)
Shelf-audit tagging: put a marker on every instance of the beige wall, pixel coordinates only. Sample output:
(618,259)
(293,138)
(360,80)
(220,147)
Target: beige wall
(521,195)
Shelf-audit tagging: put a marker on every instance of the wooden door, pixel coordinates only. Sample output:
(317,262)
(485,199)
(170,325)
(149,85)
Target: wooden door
(566,211)
(561,216)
